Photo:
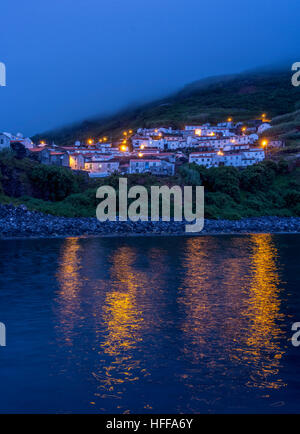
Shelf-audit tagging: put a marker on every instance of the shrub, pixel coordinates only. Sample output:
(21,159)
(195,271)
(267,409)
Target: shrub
(258,177)
(292,198)
(190,175)
(225,180)
(54,183)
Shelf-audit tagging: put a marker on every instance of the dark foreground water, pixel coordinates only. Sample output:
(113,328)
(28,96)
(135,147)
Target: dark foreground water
(193,325)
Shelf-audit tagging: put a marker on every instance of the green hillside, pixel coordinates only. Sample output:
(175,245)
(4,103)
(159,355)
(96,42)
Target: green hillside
(287,127)
(267,188)
(241,96)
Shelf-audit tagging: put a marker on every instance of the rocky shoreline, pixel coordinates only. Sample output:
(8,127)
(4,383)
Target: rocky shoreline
(18,222)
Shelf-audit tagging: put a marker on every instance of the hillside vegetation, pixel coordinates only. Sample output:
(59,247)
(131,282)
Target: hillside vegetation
(242,96)
(287,127)
(267,188)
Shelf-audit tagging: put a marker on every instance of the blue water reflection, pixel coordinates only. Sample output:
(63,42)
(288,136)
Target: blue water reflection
(137,325)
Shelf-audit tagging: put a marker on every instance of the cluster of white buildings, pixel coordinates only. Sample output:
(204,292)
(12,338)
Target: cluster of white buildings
(193,136)
(154,150)
(7,138)
(244,158)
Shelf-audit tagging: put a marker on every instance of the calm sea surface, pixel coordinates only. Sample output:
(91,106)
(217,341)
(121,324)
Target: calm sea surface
(150,325)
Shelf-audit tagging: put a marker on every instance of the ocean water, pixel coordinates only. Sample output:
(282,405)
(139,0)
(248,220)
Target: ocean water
(150,325)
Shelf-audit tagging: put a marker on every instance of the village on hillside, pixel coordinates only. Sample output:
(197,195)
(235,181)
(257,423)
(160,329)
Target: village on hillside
(158,151)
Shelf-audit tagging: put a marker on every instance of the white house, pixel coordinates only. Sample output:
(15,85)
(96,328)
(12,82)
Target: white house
(147,142)
(175,143)
(154,166)
(193,128)
(258,154)
(76,161)
(235,159)
(263,127)
(99,168)
(4,141)
(202,159)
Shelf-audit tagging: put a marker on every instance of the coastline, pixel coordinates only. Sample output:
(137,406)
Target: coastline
(20,223)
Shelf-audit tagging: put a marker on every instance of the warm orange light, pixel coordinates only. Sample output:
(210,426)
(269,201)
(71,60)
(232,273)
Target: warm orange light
(130,131)
(198,132)
(123,148)
(220,153)
(142,146)
(104,138)
(72,162)
(140,154)
(90,141)
(125,133)
(264,143)
(244,129)
(229,119)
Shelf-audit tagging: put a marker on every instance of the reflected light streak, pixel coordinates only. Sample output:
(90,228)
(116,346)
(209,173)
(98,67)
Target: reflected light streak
(69,280)
(263,349)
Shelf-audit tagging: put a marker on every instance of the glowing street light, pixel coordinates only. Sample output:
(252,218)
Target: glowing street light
(264,143)
(90,141)
(140,154)
(123,148)
(229,120)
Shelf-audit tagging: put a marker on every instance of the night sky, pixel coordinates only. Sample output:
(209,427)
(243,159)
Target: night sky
(67,60)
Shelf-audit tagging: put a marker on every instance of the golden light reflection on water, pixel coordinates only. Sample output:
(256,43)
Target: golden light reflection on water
(110,308)
(123,325)
(232,308)
(263,316)
(69,280)
(227,293)
(194,295)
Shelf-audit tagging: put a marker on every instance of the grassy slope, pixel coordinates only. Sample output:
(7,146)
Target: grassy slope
(281,197)
(242,96)
(287,127)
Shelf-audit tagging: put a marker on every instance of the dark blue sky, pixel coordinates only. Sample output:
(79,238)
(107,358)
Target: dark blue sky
(71,59)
